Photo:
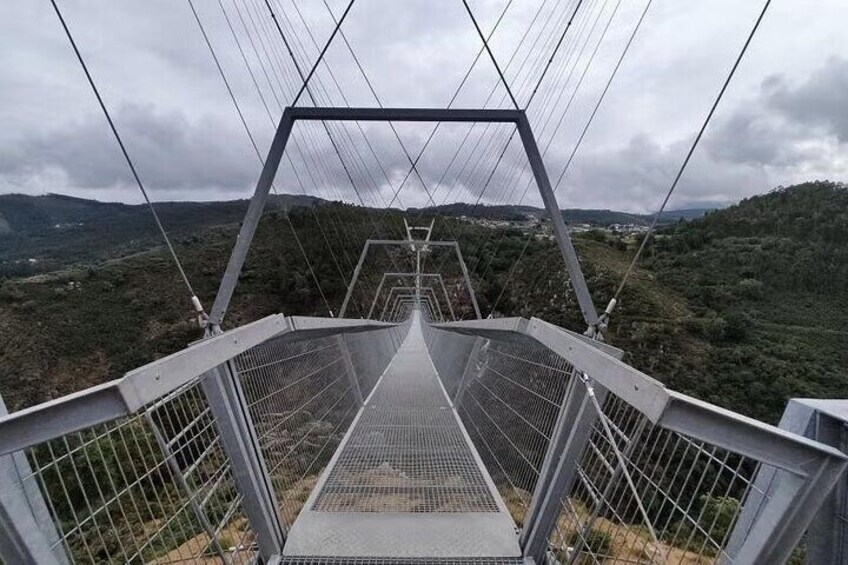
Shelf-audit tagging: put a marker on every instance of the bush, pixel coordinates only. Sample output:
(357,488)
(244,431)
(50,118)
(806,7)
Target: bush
(596,542)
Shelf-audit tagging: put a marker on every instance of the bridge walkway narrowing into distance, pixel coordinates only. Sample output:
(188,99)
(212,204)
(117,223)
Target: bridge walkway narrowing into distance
(406,481)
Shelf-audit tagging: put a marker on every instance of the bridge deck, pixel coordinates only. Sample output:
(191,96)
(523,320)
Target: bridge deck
(406,481)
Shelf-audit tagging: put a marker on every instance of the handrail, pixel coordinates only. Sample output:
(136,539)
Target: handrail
(663,407)
(604,393)
(139,387)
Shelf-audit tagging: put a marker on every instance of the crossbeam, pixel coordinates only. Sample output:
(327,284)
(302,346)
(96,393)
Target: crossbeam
(272,162)
(405,243)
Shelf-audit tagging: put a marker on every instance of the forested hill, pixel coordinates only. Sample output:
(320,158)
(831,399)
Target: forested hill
(43,233)
(39,234)
(743,307)
(767,284)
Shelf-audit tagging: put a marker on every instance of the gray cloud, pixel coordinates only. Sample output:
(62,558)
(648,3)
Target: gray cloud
(168,150)
(819,101)
(180,127)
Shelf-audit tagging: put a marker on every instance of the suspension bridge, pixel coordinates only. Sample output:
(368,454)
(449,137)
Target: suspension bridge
(418,431)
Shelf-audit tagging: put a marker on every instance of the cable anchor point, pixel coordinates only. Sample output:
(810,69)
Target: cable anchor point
(202,316)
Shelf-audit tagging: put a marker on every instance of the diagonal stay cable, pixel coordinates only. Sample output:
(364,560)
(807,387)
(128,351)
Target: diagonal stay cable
(555,101)
(273,125)
(685,163)
(323,51)
(305,86)
(491,55)
(256,148)
(578,144)
(413,163)
(305,79)
(195,301)
(601,97)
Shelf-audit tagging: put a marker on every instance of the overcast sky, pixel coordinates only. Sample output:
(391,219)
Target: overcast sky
(784,119)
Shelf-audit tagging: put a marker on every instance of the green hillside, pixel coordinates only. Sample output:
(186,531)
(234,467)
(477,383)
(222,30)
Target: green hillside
(39,234)
(741,307)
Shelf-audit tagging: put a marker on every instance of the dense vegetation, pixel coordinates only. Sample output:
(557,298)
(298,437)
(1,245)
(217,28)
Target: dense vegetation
(45,233)
(741,307)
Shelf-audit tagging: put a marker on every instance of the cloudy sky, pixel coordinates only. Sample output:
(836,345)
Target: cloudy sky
(784,119)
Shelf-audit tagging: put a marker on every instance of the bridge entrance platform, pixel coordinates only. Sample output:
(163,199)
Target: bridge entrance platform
(406,482)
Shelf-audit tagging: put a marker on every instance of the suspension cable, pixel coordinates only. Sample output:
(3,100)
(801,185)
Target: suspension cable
(323,51)
(683,166)
(256,148)
(577,145)
(553,55)
(491,55)
(194,299)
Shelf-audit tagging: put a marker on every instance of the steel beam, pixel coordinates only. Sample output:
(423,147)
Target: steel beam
(804,470)
(139,387)
(411,275)
(251,220)
(376,296)
(569,438)
(404,114)
(222,388)
(824,421)
(354,278)
(406,289)
(292,114)
(406,242)
(566,247)
(467,280)
(27,531)
(411,289)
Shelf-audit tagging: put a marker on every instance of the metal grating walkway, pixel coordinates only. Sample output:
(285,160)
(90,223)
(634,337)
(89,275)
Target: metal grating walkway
(406,481)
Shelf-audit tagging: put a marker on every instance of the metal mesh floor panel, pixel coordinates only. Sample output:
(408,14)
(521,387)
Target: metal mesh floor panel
(407,452)
(406,485)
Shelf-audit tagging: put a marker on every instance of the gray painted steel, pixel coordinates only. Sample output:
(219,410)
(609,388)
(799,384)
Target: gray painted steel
(406,480)
(146,384)
(222,389)
(27,531)
(292,114)
(827,536)
(406,243)
(405,114)
(569,255)
(805,470)
(251,220)
(571,435)
(410,275)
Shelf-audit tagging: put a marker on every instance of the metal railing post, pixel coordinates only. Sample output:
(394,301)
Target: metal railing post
(182,485)
(824,421)
(570,436)
(344,351)
(24,515)
(238,438)
(480,345)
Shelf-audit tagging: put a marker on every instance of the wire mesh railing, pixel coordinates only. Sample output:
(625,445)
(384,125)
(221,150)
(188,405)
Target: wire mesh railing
(616,468)
(508,394)
(643,494)
(596,462)
(302,400)
(156,486)
(145,469)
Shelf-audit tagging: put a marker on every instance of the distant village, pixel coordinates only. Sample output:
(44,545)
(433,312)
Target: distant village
(542,228)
